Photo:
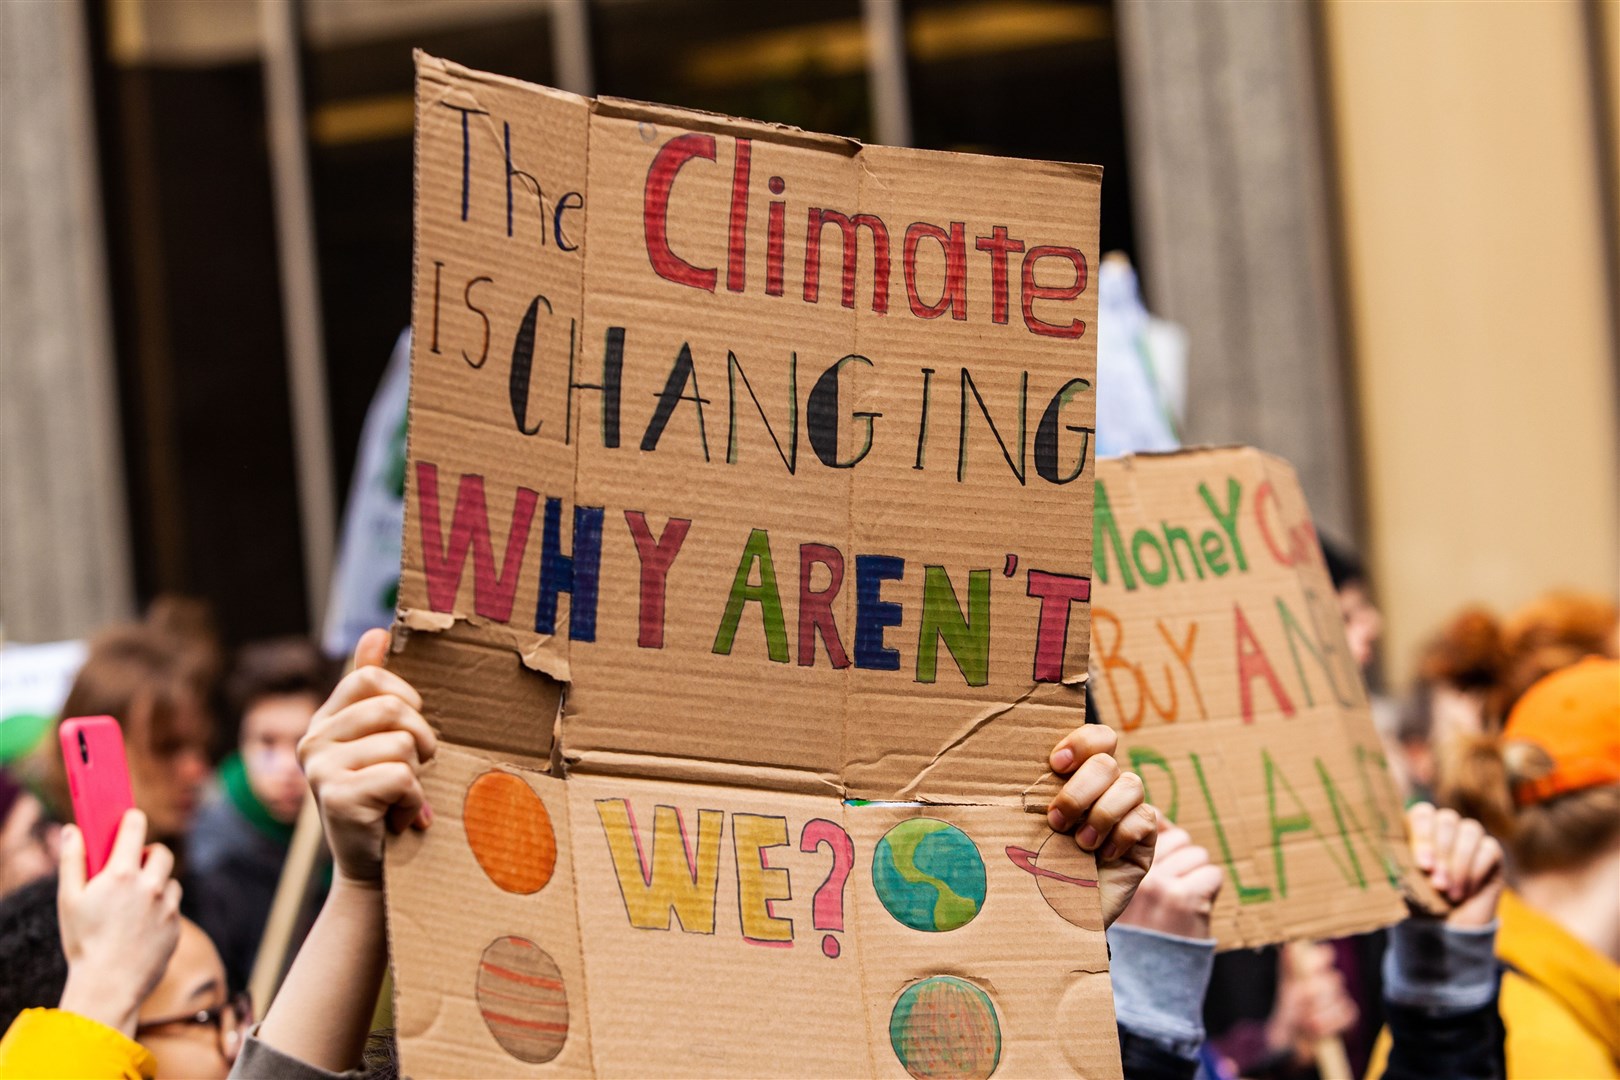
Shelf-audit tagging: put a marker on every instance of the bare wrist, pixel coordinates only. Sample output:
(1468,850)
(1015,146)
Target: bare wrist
(344,880)
(103,998)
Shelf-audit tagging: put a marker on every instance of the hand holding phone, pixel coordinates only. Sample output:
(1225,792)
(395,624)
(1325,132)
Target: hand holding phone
(120,928)
(98,780)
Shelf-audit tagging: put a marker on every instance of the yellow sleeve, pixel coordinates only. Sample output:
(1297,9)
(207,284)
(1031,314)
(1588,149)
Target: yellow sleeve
(1543,1055)
(49,1044)
(1545,1042)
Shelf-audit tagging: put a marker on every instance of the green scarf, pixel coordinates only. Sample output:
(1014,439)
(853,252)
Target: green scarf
(233,778)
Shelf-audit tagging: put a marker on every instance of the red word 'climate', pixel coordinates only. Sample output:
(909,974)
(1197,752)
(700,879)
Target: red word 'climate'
(920,239)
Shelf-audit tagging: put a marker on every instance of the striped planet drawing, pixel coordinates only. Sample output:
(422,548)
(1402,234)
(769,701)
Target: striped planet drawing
(945,1028)
(509,831)
(522,999)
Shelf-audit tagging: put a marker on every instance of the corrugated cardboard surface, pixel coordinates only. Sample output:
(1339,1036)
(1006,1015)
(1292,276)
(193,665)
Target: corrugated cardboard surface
(681,990)
(1219,654)
(705,539)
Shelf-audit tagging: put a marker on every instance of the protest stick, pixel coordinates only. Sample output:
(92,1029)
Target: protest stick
(1332,1063)
(302,855)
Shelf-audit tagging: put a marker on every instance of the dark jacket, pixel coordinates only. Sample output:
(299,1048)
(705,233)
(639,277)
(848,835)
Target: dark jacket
(233,865)
(1146,1059)
(1458,1046)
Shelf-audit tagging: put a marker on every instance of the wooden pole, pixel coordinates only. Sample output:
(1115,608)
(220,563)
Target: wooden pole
(291,890)
(1332,1063)
(571,46)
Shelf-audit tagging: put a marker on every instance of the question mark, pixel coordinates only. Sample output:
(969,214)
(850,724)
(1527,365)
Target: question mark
(827,905)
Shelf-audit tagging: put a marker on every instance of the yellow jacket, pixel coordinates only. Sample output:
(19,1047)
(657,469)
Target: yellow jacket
(49,1044)
(1560,1000)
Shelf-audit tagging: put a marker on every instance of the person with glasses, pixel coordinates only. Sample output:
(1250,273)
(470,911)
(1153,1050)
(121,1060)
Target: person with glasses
(103,978)
(189,1021)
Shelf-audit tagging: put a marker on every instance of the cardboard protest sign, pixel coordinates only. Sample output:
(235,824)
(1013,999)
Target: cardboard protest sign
(747,525)
(1219,654)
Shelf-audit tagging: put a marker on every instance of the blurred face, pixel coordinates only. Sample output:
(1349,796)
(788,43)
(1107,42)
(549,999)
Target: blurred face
(1455,713)
(187,1020)
(1363,625)
(167,768)
(27,844)
(271,729)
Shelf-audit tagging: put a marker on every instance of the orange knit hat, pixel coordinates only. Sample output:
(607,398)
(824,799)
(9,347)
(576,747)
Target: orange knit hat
(1573,715)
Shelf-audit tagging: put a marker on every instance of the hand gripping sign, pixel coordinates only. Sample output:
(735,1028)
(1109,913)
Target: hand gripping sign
(1219,654)
(746,577)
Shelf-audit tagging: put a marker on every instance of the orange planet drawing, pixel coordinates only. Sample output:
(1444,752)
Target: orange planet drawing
(510,832)
(522,999)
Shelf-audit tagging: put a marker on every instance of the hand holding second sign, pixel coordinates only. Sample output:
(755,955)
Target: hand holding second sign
(1105,807)
(1463,862)
(1178,894)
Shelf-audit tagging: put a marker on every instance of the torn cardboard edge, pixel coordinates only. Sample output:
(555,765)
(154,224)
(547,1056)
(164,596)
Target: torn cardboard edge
(721,773)
(635,956)
(847,978)
(551,654)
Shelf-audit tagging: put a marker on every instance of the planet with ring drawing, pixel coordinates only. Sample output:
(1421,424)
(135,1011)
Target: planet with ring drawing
(1067,878)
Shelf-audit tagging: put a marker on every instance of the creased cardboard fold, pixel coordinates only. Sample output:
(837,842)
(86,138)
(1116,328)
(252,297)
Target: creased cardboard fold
(746,580)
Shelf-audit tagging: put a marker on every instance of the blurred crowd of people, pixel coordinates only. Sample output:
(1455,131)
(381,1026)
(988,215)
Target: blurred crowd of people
(212,747)
(1468,735)
(1511,729)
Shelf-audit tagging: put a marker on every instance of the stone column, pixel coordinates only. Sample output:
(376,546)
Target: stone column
(64,556)
(1224,118)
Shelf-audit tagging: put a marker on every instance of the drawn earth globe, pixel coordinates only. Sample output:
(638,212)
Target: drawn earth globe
(929,875)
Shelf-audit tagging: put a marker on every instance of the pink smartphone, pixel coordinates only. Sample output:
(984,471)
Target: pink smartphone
(98,779)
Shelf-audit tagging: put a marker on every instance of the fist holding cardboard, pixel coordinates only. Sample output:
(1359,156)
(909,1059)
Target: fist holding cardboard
(745,582)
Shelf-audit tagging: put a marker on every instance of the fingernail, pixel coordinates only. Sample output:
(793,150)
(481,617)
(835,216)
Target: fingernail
(1087,837)
(1054,818)
(427,815)
(1063,760)
(1108,852)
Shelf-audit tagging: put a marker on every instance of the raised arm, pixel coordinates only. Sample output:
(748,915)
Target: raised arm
(361,754)
(1440,975)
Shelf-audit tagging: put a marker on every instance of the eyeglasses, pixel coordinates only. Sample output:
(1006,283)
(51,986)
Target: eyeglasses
(230,1022)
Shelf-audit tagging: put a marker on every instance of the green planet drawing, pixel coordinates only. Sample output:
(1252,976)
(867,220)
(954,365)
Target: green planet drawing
(929,875)
(945,1028)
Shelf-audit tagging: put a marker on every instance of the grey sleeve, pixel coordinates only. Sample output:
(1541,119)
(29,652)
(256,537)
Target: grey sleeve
(259,1060)
(1159,984)
(1430,965)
